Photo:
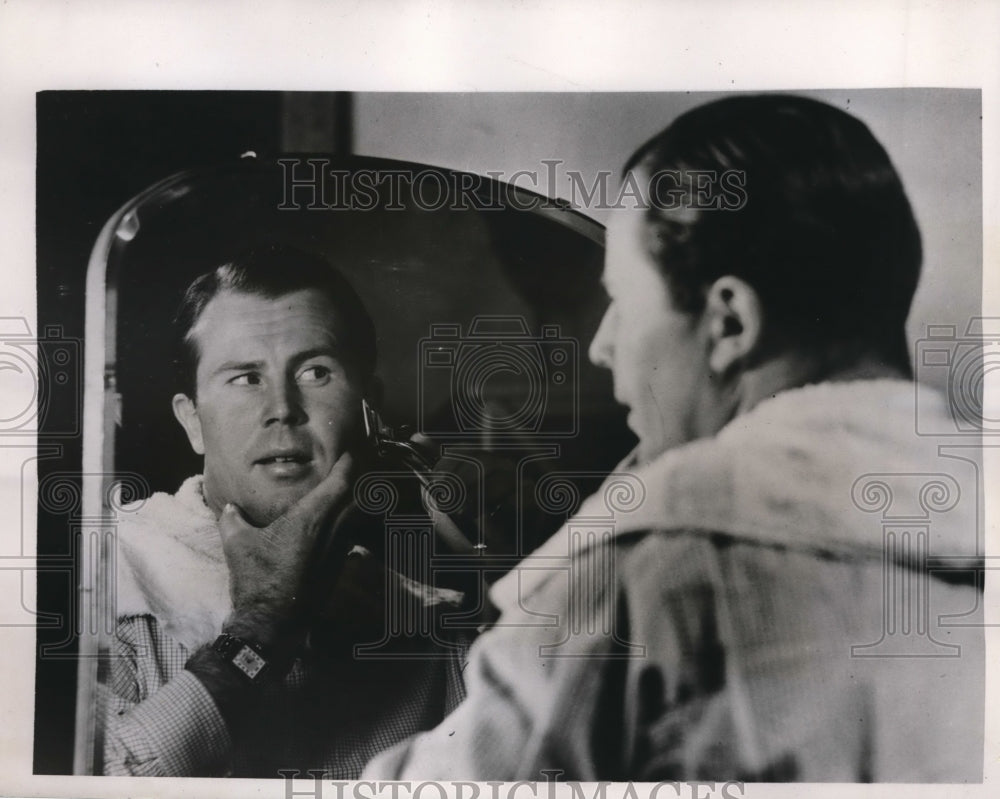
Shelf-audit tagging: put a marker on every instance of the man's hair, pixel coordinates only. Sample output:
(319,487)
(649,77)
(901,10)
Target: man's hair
(272,271)
(822,229)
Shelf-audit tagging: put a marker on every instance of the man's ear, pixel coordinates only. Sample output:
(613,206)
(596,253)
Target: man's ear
(735,323)
(186,413)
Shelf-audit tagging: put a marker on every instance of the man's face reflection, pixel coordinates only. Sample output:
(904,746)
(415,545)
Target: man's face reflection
(276,402)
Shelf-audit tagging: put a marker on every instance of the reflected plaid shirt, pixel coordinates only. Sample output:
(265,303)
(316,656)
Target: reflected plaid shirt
(332,716)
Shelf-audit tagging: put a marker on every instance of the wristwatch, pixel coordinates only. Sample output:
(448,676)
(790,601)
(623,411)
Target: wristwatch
(245,656)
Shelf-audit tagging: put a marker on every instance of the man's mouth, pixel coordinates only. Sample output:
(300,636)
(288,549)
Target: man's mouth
(285,465)
(284,459)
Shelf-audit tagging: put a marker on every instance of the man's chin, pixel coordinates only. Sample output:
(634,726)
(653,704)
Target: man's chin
(267,507)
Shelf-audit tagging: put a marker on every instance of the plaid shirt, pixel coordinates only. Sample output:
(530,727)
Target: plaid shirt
(333,715)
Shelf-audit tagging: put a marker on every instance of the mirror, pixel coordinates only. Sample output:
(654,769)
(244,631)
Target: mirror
(484,297)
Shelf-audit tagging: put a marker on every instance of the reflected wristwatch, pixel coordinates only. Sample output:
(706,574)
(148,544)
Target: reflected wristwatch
(246,657)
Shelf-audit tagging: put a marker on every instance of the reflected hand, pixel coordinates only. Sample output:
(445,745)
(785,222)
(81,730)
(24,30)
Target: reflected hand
(268,565)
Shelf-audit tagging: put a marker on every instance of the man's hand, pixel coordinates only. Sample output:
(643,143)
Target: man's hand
(267,565)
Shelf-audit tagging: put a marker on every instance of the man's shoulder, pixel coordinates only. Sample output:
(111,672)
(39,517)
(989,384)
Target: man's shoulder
(674,560)
(640,562)
(660,559)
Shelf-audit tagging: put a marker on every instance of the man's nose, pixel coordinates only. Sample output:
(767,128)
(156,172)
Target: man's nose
(600,351)
(284,404)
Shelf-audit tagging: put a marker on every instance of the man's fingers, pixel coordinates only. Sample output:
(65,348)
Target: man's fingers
(325,496)
(301,522)
(231,523)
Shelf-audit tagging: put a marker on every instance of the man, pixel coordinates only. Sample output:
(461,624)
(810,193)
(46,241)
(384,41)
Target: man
(722,624)
(238,607)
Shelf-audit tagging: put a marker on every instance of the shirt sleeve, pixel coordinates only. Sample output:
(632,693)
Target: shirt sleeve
(160,720)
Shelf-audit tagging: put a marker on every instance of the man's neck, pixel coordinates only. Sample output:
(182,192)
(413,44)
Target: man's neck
(788,372)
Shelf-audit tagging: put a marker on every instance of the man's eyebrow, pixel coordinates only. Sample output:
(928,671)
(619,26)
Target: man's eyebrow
(238,366)
(332,350)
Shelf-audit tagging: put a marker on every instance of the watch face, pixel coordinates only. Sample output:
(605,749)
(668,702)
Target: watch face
(249,662)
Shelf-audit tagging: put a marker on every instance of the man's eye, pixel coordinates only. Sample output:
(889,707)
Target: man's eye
(246,379)
(315,374)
